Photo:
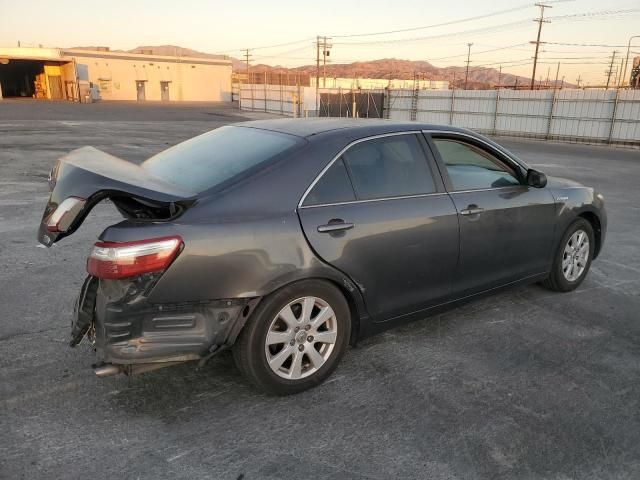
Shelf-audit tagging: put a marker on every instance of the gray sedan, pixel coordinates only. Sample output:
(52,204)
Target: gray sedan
(287,240)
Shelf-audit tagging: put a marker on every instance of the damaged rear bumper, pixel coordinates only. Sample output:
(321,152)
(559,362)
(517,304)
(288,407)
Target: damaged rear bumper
(132,335)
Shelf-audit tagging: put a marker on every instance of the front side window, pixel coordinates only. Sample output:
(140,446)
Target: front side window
(472,168)
(389,167)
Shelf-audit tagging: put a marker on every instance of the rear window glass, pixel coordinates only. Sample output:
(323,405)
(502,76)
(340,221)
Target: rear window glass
(218,156)
(333,187)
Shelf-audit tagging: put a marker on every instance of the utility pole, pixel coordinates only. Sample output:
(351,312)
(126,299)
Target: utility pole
(499,76)
(555,83)
(610,71)
(317,70)
(578,80)
(540,21)
(548,73)
(246,57)
(325,54)
(626,61)
(619,72)
(466,75)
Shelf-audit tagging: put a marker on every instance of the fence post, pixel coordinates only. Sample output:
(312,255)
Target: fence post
(551,112)
(613,115)
(386,103)
(265,92)
(453,100)
(495,114)
(414,102)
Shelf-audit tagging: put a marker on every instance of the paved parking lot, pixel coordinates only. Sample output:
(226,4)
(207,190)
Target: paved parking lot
(524,384)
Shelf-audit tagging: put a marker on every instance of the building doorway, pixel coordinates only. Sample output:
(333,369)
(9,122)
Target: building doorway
(140,90)
(39,79)
(164,91)
(18,77)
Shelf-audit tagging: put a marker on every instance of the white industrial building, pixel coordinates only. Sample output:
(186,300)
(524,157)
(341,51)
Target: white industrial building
(82,75)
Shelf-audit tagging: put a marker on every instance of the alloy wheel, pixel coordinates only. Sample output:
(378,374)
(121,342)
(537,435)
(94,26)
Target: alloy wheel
(301,338)
(575,255)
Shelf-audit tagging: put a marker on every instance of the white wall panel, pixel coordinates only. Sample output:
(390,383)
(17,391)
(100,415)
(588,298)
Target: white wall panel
(576,115)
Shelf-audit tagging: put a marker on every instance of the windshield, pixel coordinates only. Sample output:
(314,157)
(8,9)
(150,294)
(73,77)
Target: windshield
(215,157)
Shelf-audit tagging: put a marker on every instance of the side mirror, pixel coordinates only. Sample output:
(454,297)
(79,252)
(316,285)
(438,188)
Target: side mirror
(536,179)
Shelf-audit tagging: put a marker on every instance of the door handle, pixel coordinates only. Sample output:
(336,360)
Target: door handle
(472,210)
(335,227)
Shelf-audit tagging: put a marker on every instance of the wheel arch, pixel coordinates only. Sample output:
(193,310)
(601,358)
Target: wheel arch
(348,290)
(596,224)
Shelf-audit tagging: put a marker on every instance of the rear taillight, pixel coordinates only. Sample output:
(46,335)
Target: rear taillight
(114,260)
(64,214)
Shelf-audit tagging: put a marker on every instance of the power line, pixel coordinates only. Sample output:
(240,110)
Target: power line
(435,25)
(476,31)
(584,44)
(478,53)
(597,13)
(499,27)
(264,47)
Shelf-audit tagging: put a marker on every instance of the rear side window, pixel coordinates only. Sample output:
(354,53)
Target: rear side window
(389,167)
(218,156)
(333,187)
(472,168)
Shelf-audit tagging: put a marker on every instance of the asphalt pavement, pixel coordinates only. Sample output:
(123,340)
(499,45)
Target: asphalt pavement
(525,384)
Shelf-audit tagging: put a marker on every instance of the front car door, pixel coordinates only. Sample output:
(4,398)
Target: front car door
(506,226)
(379,213)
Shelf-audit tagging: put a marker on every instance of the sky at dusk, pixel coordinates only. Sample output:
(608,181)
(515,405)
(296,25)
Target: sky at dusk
(227,27)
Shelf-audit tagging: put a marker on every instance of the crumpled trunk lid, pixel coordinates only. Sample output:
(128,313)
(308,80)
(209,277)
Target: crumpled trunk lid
(88,175)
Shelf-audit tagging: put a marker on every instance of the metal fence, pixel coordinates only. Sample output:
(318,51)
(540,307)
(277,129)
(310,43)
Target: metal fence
(594,116)
(351,103)
(278,99)
(591,116)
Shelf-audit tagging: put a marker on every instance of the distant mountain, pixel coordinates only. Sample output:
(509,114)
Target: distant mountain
(479,78)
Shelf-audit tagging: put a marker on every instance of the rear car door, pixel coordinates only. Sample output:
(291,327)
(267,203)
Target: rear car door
(379,213)
(506,226)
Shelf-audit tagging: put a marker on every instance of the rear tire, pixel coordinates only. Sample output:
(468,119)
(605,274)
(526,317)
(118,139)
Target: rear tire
(295,338)
(573,258)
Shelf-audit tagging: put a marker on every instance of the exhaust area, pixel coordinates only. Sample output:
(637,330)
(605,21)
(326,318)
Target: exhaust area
(107,370)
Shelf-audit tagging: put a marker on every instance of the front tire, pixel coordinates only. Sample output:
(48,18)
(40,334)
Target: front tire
(573,258)
(295,338)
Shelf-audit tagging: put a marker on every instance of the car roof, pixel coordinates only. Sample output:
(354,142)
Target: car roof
(307,127)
